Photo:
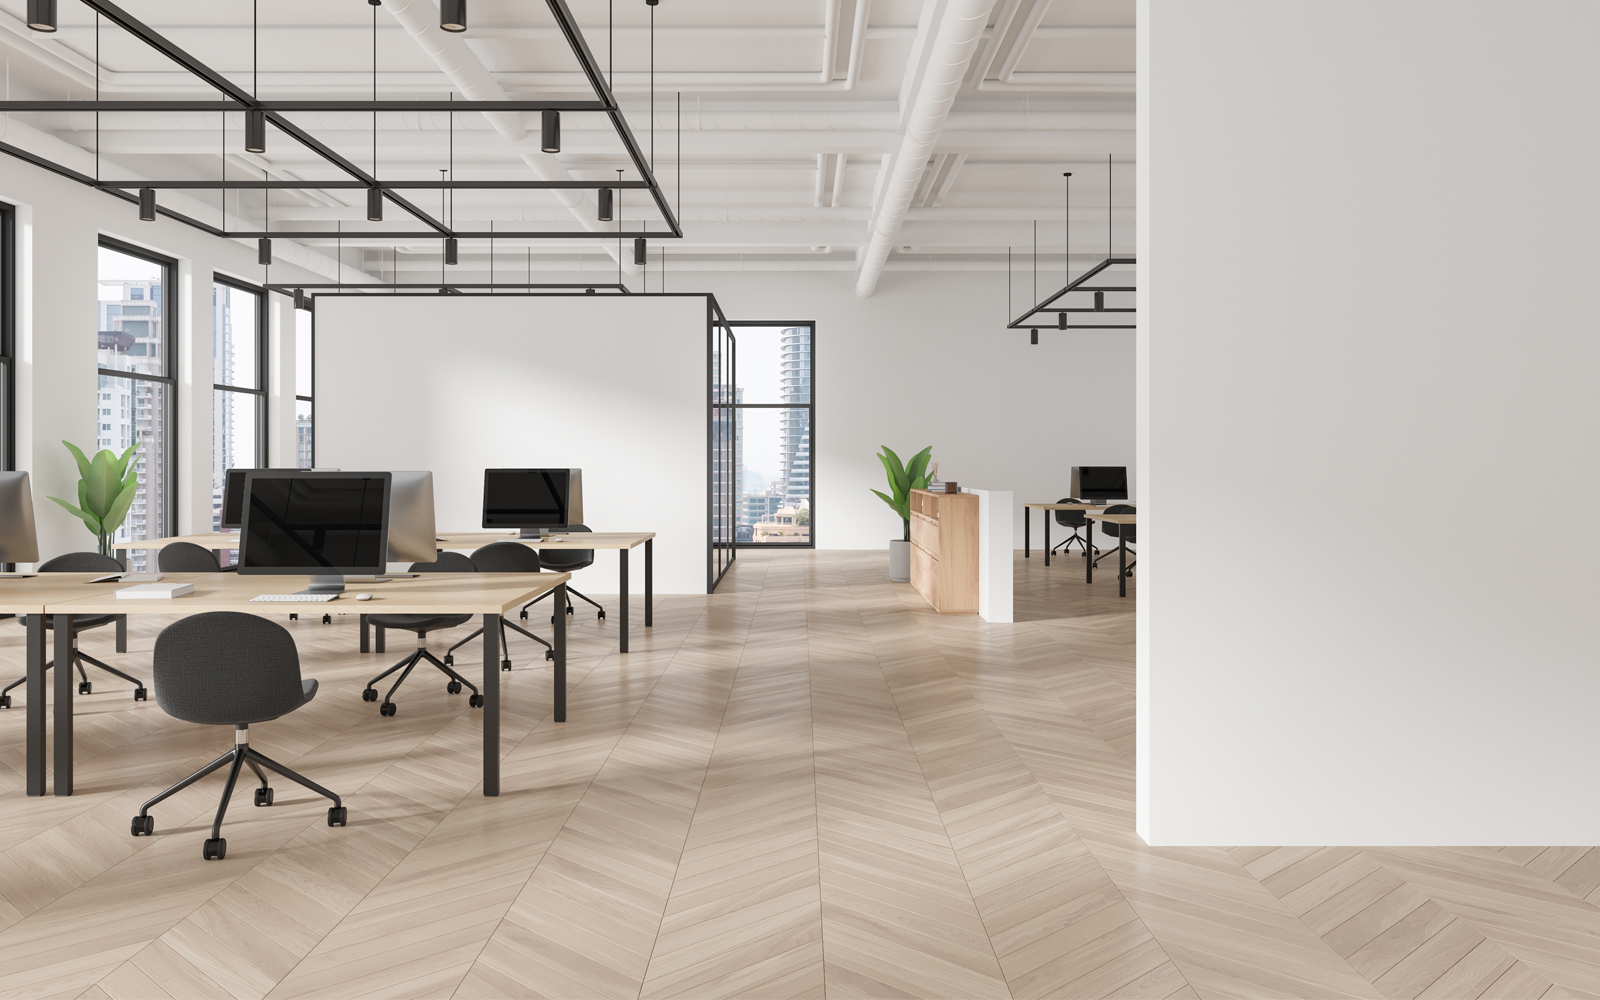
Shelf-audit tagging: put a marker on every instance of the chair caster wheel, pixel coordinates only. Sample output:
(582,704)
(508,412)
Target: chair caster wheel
(602,616)
(505,666)
(386,709)
(215,849)
(84,687)
(476,701)
(144,826)
(454,687)
(141,694)
(569,609)
(338,816)
(5,701)
(524,615)
(263,797)
(294,617)
(369,695)
(549,654)
(449,660)
(327,619)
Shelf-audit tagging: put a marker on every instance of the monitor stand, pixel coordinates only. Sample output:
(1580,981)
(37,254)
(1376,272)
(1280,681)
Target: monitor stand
(325,585)
(540,533)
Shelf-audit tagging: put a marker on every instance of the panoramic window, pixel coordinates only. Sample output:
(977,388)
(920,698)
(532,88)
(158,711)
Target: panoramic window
(238,398)
(773,404)
(136,398)
(304,371)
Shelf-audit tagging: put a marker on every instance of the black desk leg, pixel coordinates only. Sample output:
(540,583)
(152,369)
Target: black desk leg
(1122,564)
(1047,538)
(560,702)
(378,638)
(36,703)
(1027,528)
(1088,551)
(63,720)
(491,704)
(366,635)
(622,598)
(649,582)
(122,633)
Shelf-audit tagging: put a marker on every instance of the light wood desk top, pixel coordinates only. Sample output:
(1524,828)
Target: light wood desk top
(572,540)
(209,540)
(1077,506)
(429,593)
(1114,518)
(30,596)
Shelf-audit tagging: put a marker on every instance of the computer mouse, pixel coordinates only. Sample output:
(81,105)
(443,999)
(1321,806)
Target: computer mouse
(363,597)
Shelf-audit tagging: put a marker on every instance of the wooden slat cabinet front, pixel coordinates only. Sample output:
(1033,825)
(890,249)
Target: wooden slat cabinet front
(944,550)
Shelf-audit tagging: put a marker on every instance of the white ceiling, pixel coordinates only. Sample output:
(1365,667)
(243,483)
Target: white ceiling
(783,156)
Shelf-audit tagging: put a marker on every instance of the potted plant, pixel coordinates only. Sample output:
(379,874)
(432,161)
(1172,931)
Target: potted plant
(104,493)
(903,478)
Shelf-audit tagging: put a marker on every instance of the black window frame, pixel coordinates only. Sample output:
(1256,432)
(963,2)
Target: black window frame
(260,392)
(8,337)
(169,334)
(811,408)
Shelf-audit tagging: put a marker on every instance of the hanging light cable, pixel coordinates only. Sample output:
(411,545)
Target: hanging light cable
(374,193)
(255,122)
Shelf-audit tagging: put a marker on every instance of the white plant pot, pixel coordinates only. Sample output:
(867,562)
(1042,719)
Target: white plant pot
(900,561)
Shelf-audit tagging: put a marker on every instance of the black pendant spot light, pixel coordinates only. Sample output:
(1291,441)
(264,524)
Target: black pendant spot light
(374,204)
(638,250)
(551,131)
(300,298)
(255,131)
(147,204)
(1033,336)
(42,15)
(450,250)
(1099,300)
(605,204)
(1061,320)
(264,251)
(453,15)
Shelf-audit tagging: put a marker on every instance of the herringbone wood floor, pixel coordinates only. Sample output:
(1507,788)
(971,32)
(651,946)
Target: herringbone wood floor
(808,784)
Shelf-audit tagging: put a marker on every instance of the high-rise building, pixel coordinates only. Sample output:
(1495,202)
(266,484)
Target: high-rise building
(795,425)
(134,412)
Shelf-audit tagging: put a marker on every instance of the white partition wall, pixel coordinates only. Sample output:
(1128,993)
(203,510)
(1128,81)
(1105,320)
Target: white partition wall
(1369,563)
(613,385)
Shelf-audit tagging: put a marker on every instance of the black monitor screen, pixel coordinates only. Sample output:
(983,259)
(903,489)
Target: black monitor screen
(1110,481)
(314,523)
(233,499)
(525,498)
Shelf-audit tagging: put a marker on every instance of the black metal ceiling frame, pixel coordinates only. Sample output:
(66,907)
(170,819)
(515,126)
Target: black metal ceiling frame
(347,288)
(1046,305)
(239,100)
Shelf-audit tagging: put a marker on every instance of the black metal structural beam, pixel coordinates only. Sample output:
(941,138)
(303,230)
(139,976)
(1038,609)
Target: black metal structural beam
(237,99)
(383,237)
(1046,305)
(379,288)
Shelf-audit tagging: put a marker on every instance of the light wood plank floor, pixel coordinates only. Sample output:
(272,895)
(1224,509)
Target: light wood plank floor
(806,785)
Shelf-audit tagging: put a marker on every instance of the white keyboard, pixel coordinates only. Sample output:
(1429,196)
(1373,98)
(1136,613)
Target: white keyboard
(296,598)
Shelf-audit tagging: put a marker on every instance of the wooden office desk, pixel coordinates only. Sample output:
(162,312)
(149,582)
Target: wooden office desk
(1047,508)
(431,593)
(1122,547)
(622,541)
(215,541)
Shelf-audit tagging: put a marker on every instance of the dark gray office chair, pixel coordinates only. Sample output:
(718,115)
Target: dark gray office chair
(566,561)
(1075,520)
(224,668)
(81,562)
(504,557)
(1128,531)
(448,562)
(187,557)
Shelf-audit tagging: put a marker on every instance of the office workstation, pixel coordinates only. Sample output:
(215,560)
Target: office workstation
(522,500)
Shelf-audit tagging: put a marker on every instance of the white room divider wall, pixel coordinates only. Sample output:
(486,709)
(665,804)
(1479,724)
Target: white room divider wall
(614,385)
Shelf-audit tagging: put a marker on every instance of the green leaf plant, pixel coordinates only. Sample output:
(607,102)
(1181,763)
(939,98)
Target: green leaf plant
(105,492)
(903,479)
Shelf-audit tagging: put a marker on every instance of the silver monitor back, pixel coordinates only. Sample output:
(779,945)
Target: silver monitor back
(412,535)
(18,541)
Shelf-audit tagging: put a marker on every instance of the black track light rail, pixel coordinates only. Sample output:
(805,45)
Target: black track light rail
(236,99)
(1047,304)
(385,288)
(385,237)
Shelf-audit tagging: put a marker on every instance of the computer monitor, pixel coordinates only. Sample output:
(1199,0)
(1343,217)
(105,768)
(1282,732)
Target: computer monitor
(18,541)
(533,500)
(1100,482)
(412,533)
(325,525)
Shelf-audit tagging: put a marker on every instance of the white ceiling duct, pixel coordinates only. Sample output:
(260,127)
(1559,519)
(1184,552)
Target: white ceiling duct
(960,30)
(420,18)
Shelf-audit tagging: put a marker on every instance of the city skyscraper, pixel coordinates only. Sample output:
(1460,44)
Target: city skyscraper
(133,411)
(795,427)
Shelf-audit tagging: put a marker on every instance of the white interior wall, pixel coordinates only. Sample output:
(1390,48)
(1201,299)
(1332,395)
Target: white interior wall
(59,223)
(1344,362)
(456,384)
